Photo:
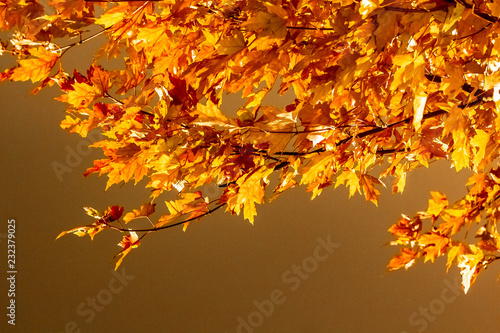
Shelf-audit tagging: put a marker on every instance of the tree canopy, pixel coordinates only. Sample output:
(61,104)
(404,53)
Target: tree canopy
(381,88)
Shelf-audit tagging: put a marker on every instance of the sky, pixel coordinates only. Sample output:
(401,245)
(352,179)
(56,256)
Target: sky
(304,266)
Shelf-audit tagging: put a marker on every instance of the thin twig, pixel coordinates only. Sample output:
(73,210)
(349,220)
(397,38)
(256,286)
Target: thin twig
(171,225)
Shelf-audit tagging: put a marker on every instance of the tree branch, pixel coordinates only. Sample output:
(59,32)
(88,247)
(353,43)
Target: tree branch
(170,225)
(485,16)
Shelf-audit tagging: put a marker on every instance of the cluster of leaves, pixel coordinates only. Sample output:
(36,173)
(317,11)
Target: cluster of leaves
(401,82)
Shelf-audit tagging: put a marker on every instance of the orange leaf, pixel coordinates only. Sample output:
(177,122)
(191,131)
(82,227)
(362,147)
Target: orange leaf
(434,245)
(405,259)
(37,68)
(128,243)
(146,210)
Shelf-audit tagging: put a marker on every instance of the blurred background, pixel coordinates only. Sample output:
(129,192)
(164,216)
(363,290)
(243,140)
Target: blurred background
(222,274)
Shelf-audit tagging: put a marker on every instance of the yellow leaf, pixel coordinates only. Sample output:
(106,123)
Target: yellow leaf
(452,254)
(418,108)
(211,38)
(128,243)
(437,204)
(350,179)
(494,7)
(367,6)
(151,34)
(434,245)
(460,158)
(111,17)
(268,25)
(231,45)
(82,95)
(402,60)
(371,193)
(468,266)
(146,210)
(480,140)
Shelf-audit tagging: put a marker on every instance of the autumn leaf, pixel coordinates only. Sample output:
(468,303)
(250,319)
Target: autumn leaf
(37,68)
(81,95)
(351,180)
(113,213)
(68,8)
(406,230)
(271,23)
(406,259)
(480,140)
(437,204)
(92,212)
(371,92)
(231,44)
(419,107)
(79,231)
(112,16)
(460,158)
(146,210)
(470,266)
(129,242)
(434,245)
(367,183)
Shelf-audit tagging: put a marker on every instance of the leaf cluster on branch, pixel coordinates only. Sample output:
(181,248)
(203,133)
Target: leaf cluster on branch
(391,85)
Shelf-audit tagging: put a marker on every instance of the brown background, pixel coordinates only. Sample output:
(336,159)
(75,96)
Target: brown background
(203,280)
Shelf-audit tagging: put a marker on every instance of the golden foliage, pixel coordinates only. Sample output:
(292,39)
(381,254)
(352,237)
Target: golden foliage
(375,81)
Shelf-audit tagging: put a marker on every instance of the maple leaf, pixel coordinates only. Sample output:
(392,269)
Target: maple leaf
(92,212)
(470,265)
(90,230)
(79,231)
(68,8)
(113,16)
(367,6)
(437,204)
(351,180)
(377,90)
(113,213)
(128,243)
(371,193)
(454,252)
(271,23)
(434,245)
(490,240)
(460,158)
(35,69)
(81,95)
(100,78)
(146,210)
(406,259)
(231,44)
(251,190)
(406,229)
(480,140)
(419,107)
